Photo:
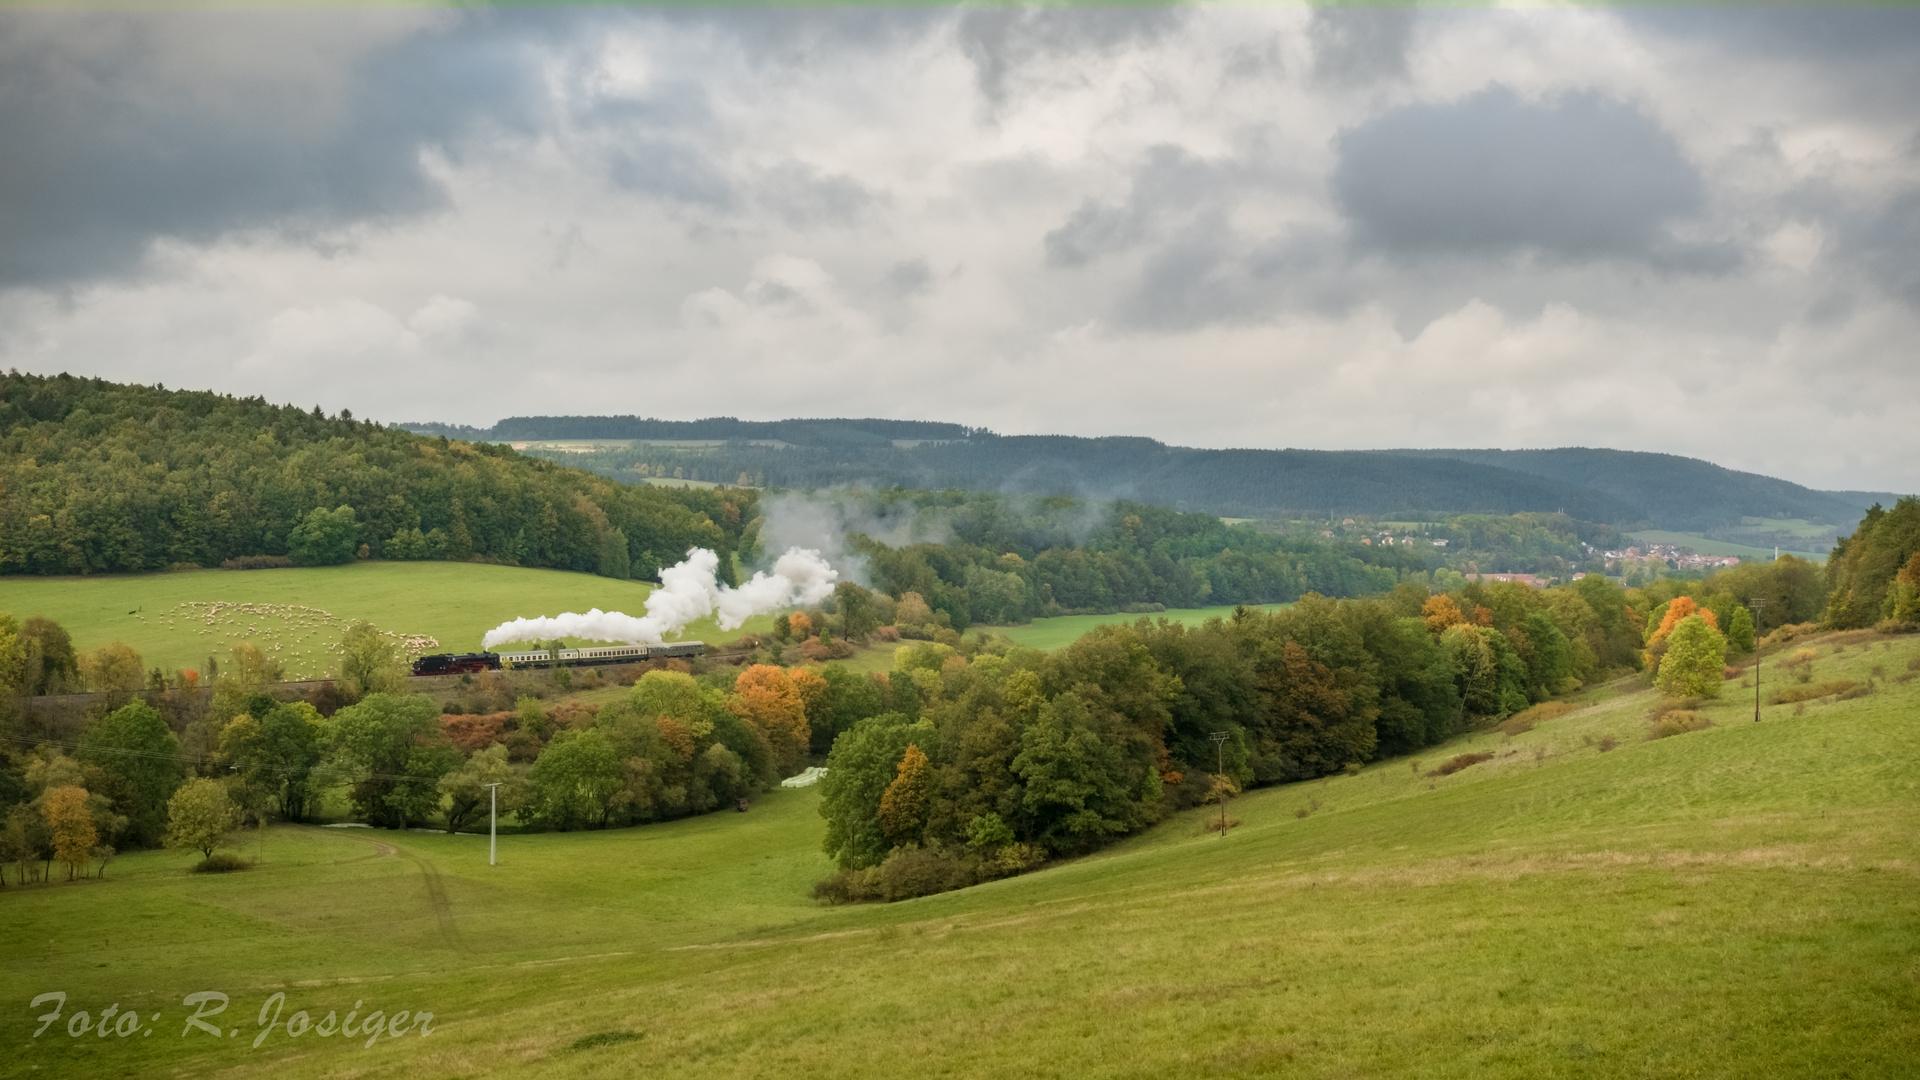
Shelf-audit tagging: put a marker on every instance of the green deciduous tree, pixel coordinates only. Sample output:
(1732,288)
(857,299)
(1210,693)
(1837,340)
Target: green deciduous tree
(134,745)
(573,782)
(396,752)
(370,662)
(469,797)
(1740,631)
(863,763)
(1695,660)
(201,817)
(324,537)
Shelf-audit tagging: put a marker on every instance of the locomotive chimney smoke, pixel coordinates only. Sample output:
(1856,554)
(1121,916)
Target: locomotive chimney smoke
(688,590)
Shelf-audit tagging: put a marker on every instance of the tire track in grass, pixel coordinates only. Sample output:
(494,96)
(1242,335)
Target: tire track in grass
(438,902)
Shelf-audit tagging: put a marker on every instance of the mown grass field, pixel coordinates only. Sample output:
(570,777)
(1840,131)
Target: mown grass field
(455,603)
(1705,546)
(1066,629)
(1739,902)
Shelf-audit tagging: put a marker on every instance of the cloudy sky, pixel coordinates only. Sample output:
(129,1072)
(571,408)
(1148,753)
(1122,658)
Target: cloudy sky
(1258,225)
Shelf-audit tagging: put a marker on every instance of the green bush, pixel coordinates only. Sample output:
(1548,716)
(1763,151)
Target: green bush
(222,863)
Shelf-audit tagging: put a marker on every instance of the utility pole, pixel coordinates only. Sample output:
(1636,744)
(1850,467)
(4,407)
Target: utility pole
(493,820)
(1220,746)
(1756,604)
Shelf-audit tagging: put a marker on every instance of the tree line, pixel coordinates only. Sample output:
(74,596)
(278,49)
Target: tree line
(1015,756)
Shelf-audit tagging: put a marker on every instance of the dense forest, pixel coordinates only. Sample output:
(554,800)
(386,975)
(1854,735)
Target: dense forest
(100,477)
(1625,488)
(1873,576)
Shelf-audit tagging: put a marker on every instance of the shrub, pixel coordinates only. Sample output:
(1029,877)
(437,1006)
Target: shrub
(1523,721)
(222,863)
(849,886)
(1459,761)
(1811,691)
(887,633)
(1730,672)
(1677,722)
(1783,634)
(1608,742)
(604,1038)
(257,562)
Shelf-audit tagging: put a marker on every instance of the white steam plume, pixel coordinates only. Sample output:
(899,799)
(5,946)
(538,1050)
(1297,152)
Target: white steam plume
(688,591)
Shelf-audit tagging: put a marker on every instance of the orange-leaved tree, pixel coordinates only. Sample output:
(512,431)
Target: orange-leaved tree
(903,806)
(815,695)
(765,697)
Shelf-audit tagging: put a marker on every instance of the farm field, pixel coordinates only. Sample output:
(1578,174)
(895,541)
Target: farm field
(1734,902)
(1065,629)
(1718,547)
(454,603)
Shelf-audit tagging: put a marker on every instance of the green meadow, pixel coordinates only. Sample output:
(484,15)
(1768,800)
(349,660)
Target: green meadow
(298,614)
(1066,629)
(1740,901)
(1705,546)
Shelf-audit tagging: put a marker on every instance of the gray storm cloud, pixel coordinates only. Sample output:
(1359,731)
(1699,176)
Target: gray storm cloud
(1221,226)
(1580,176)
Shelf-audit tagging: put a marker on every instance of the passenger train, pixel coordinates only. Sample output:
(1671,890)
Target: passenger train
(455,663)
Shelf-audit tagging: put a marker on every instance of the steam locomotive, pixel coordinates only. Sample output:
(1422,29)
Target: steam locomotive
(457,663)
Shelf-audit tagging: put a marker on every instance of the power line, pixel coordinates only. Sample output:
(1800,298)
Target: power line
(288,770)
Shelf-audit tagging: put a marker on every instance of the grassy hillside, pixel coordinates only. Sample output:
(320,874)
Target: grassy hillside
(1066,629)
(1739,901)
(454,603)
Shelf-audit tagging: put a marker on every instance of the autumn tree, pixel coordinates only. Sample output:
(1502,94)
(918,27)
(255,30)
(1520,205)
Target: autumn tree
(903,806)
(799,626)
(114,668)
(1440,612)
(71,825)
(1695,659)
(912,610)
(201,817)
(864,763)
(766,697)
(816,698)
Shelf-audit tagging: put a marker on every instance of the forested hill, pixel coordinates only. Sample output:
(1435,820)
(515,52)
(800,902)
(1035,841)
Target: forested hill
(792,432)
(97,476)
(1624,488)
(1677,492)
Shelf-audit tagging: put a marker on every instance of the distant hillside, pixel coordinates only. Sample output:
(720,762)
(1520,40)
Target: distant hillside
(1625,488)
(1677,492)
(794,432)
